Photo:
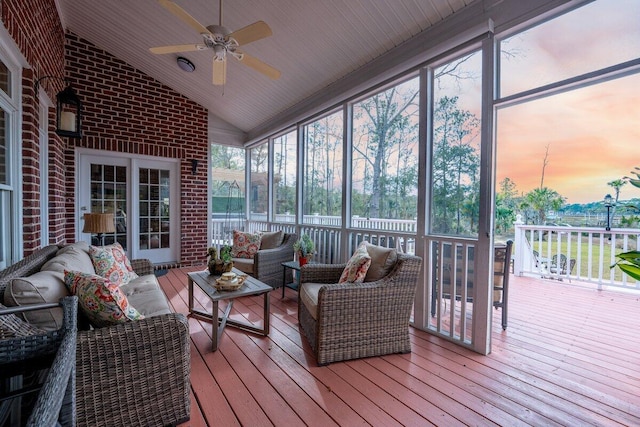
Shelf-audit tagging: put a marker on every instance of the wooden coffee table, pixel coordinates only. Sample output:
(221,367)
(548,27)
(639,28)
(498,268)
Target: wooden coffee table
(251,286)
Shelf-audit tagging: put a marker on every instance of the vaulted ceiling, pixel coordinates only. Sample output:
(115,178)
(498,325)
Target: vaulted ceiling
(314,44)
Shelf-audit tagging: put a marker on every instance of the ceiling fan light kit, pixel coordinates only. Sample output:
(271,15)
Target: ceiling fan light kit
(222,42)
(185,64)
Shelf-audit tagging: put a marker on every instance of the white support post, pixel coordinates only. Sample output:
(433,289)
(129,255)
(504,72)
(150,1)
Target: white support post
(519,245)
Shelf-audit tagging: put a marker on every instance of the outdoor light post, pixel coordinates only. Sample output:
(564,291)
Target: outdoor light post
(608,203)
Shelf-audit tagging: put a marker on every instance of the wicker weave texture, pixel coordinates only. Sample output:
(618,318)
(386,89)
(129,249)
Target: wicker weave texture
(360,319)
(267,263)
(57,400)
(133,374)
(142,267)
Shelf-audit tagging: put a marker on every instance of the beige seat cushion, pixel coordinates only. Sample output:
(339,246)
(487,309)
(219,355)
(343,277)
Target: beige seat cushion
(41,287)
(243,264)
(382,262)
(70,258)
(144,293)
(309,296)
(271,239)
(83,246)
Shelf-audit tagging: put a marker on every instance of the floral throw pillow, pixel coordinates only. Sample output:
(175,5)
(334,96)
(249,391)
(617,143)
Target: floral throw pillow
(111,262)
(245,245)
(357,267)
(101,300)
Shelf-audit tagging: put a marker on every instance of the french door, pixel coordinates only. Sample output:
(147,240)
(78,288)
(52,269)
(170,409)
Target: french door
(142,192)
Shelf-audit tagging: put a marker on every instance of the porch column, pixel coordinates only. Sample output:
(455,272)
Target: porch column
(519,245)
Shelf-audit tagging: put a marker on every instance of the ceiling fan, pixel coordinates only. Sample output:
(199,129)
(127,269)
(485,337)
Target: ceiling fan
(222,42)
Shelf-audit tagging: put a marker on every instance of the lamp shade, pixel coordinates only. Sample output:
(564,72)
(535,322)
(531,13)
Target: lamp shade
(99,223)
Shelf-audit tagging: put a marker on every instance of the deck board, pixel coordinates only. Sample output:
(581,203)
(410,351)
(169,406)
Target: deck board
(570,356)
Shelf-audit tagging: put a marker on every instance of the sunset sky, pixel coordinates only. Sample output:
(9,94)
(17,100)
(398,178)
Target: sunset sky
(593,133)
(593,136)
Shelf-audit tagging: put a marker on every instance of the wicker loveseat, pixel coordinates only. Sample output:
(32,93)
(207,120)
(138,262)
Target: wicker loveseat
(354,320)
(136,373)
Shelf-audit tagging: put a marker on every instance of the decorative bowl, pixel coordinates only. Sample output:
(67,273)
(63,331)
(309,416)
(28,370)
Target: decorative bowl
(229,282)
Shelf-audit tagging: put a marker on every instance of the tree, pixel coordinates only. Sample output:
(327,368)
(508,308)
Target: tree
(616,184)
(386,129)
(322,185)
(456,164)
(542,200)
(506,204)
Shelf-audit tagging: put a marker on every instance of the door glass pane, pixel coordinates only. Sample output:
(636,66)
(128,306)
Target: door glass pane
(154,197)
(284,176)
(109,195)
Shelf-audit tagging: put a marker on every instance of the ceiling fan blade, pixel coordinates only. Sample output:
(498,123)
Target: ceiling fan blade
(250,33)
(182,14)
(177,48)
(260,66)
(219,72)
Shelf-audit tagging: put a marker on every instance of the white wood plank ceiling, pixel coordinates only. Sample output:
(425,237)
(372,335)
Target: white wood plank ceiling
(314,43)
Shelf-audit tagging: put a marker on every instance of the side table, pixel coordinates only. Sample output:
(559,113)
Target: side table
(291,265)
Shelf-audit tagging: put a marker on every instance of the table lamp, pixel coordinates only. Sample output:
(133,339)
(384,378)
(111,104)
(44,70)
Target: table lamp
(99,223)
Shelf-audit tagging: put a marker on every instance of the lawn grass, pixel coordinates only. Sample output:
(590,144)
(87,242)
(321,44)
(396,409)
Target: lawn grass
(575,246)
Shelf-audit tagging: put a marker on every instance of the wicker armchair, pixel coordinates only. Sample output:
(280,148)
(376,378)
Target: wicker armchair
(266,264)
(355,320)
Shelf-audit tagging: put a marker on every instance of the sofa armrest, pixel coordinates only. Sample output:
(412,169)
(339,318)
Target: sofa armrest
(142,267)
(321,273)
(134,373)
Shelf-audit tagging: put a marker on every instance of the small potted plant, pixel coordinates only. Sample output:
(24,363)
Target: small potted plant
(225,256)
(305,248)
(220,265)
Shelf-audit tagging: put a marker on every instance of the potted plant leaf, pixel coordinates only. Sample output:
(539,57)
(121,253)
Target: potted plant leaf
(629,262)
(305,248)
(226,257)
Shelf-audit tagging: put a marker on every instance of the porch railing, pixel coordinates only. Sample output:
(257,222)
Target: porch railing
(327,234)
(589,252)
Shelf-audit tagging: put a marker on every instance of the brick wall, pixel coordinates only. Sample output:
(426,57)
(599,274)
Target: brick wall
(41,42)
(128,112)
(123,111)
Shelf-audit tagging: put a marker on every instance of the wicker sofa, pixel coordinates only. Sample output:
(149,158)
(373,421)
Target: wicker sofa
(136,373)
(354,320)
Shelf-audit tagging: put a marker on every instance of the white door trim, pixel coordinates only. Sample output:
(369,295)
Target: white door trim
(84,157)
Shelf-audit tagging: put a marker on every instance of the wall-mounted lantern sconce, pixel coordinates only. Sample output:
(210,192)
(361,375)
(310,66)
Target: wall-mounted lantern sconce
(68,110)
(194,167)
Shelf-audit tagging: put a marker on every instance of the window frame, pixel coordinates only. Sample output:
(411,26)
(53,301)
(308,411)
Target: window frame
(12,244)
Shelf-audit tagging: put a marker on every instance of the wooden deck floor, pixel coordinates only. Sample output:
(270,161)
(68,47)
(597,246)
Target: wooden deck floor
(570,357)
